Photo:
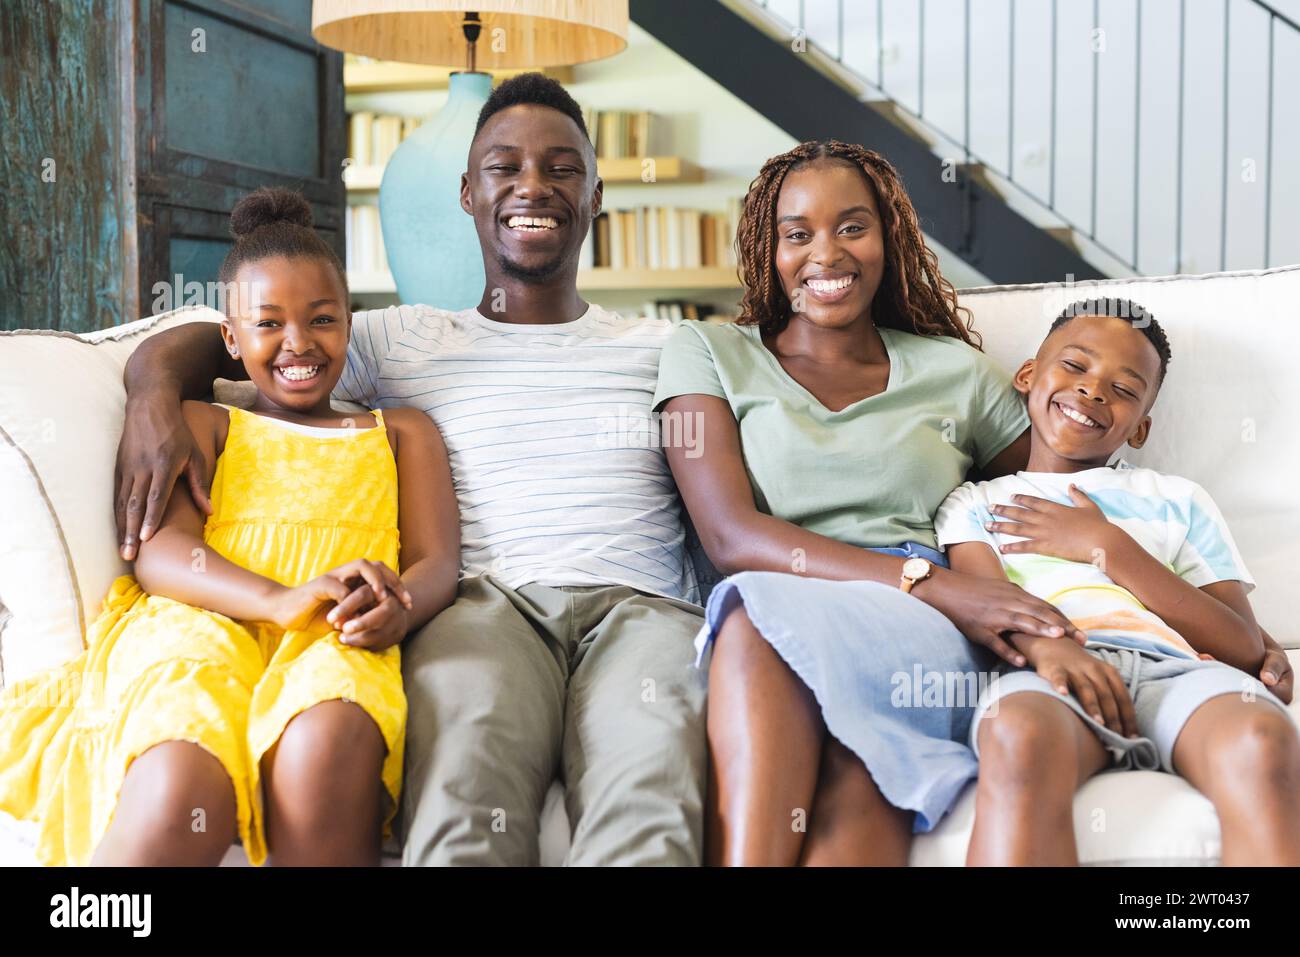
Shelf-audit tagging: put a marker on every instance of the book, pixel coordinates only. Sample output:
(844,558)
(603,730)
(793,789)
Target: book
(616,241)
(640,255)
(653,247)
(654,238)
(373,137)
(629,238)
(602,240)
(618,134)
(359,126)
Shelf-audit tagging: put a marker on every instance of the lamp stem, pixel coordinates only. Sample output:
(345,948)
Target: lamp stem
(471,27)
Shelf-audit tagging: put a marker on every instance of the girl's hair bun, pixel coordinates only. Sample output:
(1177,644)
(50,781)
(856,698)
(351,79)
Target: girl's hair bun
(270,204)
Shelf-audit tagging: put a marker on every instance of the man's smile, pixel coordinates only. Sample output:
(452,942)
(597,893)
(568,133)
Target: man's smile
(530,225)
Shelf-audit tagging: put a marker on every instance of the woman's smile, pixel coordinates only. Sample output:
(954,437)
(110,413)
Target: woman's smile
(830,288)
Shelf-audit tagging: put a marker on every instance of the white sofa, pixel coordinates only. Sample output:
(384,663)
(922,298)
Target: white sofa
(1224,418)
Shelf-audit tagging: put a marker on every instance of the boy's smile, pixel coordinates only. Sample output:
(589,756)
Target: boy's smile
(1089,390)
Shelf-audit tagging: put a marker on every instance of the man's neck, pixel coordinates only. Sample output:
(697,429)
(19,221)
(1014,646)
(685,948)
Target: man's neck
(529,302)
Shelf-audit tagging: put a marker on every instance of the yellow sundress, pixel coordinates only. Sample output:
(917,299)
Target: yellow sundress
(288,505)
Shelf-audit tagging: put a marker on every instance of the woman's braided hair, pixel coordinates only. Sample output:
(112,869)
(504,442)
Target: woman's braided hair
(913,295)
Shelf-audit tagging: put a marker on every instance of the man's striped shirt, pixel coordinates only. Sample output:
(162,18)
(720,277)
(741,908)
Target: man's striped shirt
(554,451)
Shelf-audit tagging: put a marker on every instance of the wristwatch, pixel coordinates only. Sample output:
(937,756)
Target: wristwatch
(914,570)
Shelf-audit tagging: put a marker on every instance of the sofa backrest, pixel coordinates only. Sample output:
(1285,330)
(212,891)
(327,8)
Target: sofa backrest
(61,408)
(1223,418)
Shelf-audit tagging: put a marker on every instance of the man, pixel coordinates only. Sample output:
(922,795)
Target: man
(569,646)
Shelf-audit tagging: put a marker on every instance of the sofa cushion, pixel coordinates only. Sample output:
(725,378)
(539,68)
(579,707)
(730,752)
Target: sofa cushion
(61,407)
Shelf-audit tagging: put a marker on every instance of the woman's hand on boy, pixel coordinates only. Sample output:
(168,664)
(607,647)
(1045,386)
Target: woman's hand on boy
(987,609)
(1096,685)
(1077,533)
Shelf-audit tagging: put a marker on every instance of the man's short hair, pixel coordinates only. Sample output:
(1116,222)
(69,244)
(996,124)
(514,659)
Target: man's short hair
(531,88)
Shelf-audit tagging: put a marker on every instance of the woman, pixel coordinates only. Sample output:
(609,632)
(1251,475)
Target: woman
(842,677)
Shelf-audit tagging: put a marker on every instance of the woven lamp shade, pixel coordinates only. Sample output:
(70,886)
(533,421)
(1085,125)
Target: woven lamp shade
(516,33)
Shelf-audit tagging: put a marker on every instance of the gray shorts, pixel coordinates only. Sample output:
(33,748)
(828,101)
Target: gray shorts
(1165,692)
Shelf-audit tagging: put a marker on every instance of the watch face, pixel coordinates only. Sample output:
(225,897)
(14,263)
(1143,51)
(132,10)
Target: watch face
(916,568)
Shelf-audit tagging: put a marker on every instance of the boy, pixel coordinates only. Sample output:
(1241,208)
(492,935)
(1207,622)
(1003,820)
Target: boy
(1145,565)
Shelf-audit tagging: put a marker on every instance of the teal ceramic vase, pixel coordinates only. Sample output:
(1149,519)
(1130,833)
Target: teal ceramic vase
(429,240)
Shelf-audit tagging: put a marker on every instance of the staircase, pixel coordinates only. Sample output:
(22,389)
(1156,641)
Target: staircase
(1039,141)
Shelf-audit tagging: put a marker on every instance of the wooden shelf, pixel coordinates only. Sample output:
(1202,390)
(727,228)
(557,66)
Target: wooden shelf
(667,169)
(360,283)
(704,277)
(602,279)
(363,179)
(384,76)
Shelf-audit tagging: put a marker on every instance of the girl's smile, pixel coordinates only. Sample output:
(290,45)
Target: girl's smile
(292,333)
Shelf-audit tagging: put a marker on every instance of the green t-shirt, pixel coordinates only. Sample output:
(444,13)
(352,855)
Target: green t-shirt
(874,473)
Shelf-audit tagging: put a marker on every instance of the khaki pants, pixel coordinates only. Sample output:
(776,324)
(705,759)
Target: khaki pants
(507,687)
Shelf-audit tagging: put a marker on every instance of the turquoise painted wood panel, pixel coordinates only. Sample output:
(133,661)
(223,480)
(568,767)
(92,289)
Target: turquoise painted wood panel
(239,96)
(61,213)
(295,12)
(107,189)
(198,260)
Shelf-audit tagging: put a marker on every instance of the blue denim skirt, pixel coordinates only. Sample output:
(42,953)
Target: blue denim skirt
(896,682)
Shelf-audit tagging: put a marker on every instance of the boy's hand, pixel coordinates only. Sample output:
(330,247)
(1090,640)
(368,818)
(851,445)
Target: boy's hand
(1076,533)
(1276,673)
(1095,684)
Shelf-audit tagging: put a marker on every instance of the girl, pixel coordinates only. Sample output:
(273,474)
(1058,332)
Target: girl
(246,681)
(841,409)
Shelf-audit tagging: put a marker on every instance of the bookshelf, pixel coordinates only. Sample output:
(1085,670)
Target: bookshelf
(700,279)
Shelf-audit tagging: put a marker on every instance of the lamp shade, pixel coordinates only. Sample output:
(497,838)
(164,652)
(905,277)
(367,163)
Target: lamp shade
(516,33)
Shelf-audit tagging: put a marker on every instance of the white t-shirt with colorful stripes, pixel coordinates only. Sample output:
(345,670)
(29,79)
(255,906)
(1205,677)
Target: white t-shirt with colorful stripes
(1172,518)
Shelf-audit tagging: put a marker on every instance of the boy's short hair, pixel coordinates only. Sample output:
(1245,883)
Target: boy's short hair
(531,88)
(1137,315)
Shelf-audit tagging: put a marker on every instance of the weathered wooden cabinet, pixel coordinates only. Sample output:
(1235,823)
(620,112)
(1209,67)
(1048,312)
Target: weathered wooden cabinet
(130,128)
